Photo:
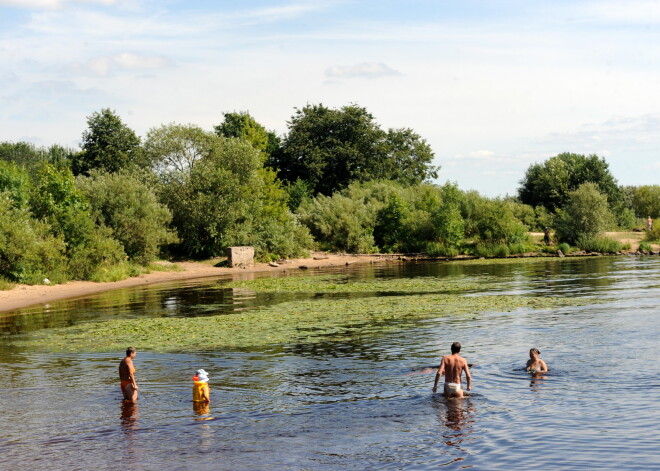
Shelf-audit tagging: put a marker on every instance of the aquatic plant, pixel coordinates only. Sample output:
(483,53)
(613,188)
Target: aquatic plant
(307,320)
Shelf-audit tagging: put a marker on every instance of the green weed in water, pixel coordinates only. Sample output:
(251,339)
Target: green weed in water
(305,321)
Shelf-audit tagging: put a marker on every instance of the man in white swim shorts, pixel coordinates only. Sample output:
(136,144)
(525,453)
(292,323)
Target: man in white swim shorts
(452,366)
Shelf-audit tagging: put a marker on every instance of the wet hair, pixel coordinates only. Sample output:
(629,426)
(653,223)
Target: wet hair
(455,347)
(130,350)
(535,350)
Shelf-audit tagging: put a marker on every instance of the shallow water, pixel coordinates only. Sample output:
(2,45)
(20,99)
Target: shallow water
(359,404)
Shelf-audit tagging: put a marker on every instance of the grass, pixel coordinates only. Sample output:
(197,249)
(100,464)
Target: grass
(6,284)
(121,271)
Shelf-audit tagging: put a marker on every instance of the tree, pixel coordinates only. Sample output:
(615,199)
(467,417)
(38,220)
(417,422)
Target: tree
(108,145)
(585,215)
(243,126)
(330,148)
(646,201)
(174,149)
(549,184)
(131,209)
(220,195)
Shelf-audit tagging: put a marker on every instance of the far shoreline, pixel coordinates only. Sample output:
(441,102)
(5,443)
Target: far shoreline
(25,296)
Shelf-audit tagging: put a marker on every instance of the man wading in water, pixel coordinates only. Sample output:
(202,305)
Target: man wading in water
(127,376)
(452,366)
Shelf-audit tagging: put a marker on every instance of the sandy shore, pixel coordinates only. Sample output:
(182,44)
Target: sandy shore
(22,296)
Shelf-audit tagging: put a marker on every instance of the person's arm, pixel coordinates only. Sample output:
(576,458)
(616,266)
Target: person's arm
(468,377)
(205,393)
(131,373)
(441,371)
(544,367)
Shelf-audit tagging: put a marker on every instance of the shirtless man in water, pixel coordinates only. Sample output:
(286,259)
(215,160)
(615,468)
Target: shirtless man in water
(452,366)
(127,376)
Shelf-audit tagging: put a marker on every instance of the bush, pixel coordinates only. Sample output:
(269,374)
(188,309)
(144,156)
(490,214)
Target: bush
(653,235)
(565,248)
(438,249)
(599,244)
(496,224)
(28,251)
(585,215)
(131,210)
(645,246)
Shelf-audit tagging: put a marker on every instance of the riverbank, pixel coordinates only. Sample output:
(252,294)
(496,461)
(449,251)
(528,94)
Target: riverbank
(22,296)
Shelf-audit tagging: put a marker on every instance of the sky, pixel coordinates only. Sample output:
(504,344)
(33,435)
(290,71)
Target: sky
(493,86)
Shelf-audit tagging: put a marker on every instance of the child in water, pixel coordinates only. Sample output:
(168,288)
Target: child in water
(201,390)
(535,364)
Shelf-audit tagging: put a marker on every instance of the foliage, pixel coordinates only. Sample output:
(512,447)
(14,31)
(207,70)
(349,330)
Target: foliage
(549,184)
(243,126)
(302,320)
(645,246)
(388,227)
(28,251)
(330,148)
(585,215)
(107,145)
(299,192)
(15,182)
(654,234)
(131,209)
(56,199)
(646,201)
(220,195)
(598,244)
(448,220)
(174,149)
(565,248)
(339,222)
(496,223)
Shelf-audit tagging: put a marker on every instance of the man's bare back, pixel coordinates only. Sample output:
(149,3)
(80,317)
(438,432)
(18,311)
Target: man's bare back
(452,366)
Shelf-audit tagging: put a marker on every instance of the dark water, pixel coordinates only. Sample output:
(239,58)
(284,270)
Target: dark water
(363,404)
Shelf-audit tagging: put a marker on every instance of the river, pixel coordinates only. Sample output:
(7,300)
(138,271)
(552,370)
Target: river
(362,403)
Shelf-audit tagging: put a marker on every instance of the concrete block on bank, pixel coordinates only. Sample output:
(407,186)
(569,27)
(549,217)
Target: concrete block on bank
(240,256)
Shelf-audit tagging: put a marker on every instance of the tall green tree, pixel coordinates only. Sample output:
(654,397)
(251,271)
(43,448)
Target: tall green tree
(242,125)
(549,183)
(108,145)
(646,201)
(220,195)
(330,148)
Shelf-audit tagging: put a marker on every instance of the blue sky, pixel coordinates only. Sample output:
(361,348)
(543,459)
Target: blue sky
(492,86)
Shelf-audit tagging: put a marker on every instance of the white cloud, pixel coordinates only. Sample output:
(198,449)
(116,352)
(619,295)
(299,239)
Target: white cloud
(108,65)
(369,70)
(628,12)
(52,4)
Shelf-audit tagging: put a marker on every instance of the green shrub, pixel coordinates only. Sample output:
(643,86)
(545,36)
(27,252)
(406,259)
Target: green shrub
(6,284)
(626,246)
(116,272)
(585,215)
(565,248)
(645,246)
(131,210)
(496,223)
(98,251)
(653,235)
(599,244)
(438,249)
(482,249)
(28,250)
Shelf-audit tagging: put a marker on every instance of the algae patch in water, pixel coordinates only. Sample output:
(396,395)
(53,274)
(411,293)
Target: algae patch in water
(302,321)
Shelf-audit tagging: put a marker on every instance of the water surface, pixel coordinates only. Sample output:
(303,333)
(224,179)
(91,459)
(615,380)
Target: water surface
(362,403)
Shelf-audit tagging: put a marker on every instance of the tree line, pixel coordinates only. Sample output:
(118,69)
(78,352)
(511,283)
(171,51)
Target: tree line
(336,181)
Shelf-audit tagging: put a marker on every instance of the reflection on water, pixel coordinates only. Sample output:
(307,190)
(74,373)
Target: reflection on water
(363,403)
